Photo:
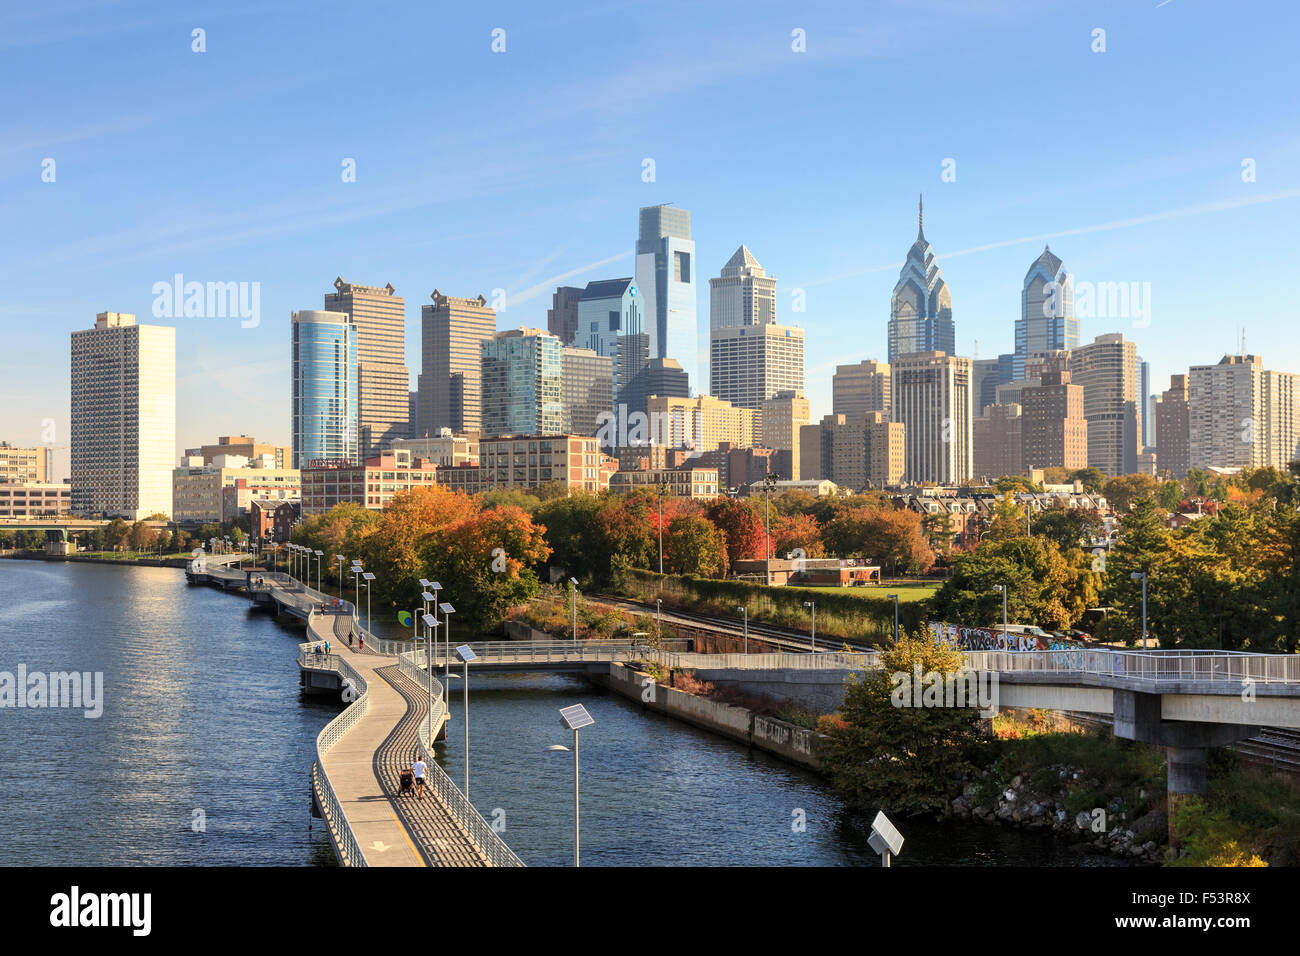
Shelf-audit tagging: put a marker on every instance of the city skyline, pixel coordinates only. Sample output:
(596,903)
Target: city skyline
(1143,194)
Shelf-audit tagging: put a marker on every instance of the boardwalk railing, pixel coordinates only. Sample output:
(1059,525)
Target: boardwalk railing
(778,661)
(349,849)
(1148,666)
(467,818)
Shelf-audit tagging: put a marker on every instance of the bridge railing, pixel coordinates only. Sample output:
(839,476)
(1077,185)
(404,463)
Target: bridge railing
(466,816)
(348,846)
(835,660)
(1147,666)
(514,652)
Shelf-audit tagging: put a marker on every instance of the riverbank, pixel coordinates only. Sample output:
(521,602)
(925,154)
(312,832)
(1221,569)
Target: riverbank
(176,561)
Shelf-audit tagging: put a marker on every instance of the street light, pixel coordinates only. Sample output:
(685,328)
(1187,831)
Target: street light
(895,598)
(745,611)
(369,577)
(573,599)
(319,555)
(663,487)
(1003,589)
(1142,576)
(341,560)
(356,579)
(430,629)
(447,611)
(466,654)
(659,621)
(813,607)
(574,718)
(769,482)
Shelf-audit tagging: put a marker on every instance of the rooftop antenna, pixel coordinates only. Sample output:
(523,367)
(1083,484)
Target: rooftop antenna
(976,350)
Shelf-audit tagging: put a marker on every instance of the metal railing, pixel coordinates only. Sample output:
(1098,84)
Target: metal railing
(835,660)
(1148,666)
(471,822)
(542,652)
(349,849)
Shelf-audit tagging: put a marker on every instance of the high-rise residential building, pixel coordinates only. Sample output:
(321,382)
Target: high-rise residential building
(1172,429)
(123,435)
(743,294)
(586,389)
(19,465)
(783,415)
(702,423)
(665,273)
(1107,368)
(860,388)
(997,436)
(270,456)
(664,376)
(452,331)
(383,380)
(984,383)
(932,398)
(920,314)
(1047,319)
(749,364)
(1053,428)
(324,366)
(611,322)
(521,383)
(1041,363)
(1241,415)
(562,316)
(1147,434)
(865,450)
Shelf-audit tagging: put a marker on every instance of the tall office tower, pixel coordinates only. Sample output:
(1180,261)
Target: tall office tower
(701,423)
(665,377)
(324,388)
(586,389)
(1108,371)
(383,380)
(452,331)
(743,294)
(783,415)
(920,313)
(1227,413)
(1147,434)
(1172,434)
(862,387)
(749,364)
(611,322)
(1047,321)
(1006,368)
(562,316)
(932,398)
(997,436)
(665,273)
(123,438)
(1053,430)
(521,383)
(984,383)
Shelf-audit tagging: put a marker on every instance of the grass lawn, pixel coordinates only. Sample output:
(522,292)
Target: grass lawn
(919,591)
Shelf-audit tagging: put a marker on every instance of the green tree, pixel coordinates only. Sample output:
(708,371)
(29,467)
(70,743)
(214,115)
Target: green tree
(1092,478)
(904,758)
(693,545)
(1123,491)
(1068,527)
(1008,520)
(116,534)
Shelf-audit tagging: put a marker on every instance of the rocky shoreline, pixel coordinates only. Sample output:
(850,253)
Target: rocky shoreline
(1104,830)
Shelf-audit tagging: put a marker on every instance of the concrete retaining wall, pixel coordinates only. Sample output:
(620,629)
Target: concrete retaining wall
(821,691)
(785,740)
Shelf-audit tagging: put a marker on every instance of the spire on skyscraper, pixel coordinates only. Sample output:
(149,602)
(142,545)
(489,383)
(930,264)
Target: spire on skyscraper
(920,218)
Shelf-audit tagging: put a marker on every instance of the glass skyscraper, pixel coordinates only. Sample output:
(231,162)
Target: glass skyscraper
(611,322)
(521,383)
(920,314)
(665,273)
(1047,321)
(324,388)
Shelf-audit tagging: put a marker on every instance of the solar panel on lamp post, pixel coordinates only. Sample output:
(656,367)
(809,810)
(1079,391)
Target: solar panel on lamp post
(574,718)
(369,577)
(319,555)
(466,654)
(430,629)
(447,611)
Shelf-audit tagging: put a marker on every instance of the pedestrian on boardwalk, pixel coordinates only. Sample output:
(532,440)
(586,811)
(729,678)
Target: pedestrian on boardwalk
(349,638)
(418,768)
(361,641)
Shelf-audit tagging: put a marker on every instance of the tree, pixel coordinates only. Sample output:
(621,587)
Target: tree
(116,534)
(1091,478)
(694,545)
(1015,483)
(1068,527)
(141,536)
(486,561)
(1008,520)
(894,537)
(574,533)
(741,526)
(1170,495)
(1123,491)
(903,757)
(797,531)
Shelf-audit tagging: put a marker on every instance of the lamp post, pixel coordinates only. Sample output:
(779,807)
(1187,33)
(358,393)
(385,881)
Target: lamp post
(659,621)
(663,487)
(574,718)
(1142,576)
(430,630)
(811,605)
(356,579)
(1003,589)
(769,482)
(319,555)
(573,598)
(340,560)
(447,612)
(895,598)
(466,654)
(745,612)
(369,577)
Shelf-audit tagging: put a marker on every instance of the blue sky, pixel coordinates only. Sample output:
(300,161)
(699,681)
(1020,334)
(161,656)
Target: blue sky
(522,170)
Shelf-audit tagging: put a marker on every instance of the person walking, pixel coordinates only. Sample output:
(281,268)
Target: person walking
(418,768)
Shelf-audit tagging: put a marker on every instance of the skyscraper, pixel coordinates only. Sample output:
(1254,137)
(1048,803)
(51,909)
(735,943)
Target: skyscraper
(1147,436)
(586,389)
(665,273)
(521,383)
(748,364)
(1107,368)
(324,388)
(861,387)
(932,398)
(123,436)
(611,322)
(743,294)
(1053,429)
(1047,321)
(383,380)
(1228,413)
(920,314)
(985,382)
(562,316)
(784,414)
(1172,434)
(451,333)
